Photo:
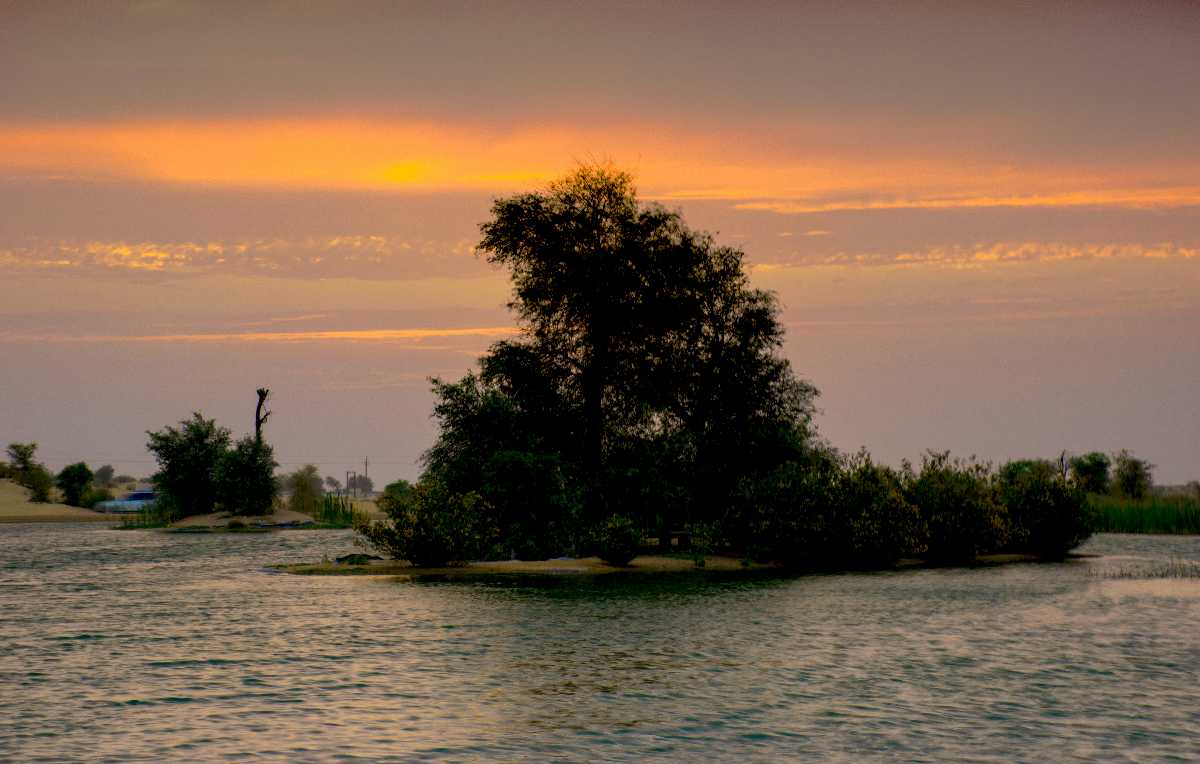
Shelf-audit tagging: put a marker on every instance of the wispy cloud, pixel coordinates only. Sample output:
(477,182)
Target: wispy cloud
(1182,196)
(413,338)
(989,254)
(345,255)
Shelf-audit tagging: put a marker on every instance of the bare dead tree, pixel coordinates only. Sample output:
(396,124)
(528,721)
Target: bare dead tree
(260,416)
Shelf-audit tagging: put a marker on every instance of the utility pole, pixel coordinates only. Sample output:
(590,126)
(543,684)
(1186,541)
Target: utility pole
(366,464)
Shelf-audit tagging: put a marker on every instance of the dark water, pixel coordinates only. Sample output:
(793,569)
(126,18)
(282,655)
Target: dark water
(127,646)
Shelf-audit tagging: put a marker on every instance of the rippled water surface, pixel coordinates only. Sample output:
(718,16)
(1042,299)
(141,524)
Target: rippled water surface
(124,646)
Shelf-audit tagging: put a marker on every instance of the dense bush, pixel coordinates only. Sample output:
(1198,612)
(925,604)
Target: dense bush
(1047,515)
(73,481)
(39,481)
(431,526)
(875,524)
(245,478)
(1091,472)
(617,540)
(958,507)
(188,456)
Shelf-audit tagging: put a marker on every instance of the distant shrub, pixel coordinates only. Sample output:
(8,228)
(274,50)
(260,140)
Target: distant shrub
(305,489)
(1091,472)
(431,526)
(94,496)
(1132,476)
(104,475)
(618,539)
(123,479)
(236,525)
(958,507)
(1047,515)
(73,481)
(39,481)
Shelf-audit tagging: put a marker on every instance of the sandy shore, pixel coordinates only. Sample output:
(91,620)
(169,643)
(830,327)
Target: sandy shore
(15,507)
(567,566)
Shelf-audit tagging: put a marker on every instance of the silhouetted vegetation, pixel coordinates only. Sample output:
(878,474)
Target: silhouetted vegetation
(199,472)
(73,481)
(1090,472)
(647,396)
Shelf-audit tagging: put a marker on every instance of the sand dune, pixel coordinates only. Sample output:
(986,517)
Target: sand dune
(15,507)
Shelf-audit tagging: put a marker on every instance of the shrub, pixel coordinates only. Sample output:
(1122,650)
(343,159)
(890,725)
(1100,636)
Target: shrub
(1132,476)
(788,513)
(533,505)
(875,525)
(245,477)
(1046,515)
(305,489)
(618,539)
(73,481)
(94,496)
(958,507)
(1091,472)
(431,526)
(39,481)
(187,458)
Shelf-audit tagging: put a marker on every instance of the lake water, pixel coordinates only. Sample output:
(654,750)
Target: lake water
(132,646)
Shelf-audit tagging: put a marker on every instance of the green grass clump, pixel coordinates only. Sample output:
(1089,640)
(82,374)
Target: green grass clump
(337,512)
(159,514)
(1153,514)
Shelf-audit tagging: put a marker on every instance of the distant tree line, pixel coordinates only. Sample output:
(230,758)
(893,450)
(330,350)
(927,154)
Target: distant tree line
(646,396)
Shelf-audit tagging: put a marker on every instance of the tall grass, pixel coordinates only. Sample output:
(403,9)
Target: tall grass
(157,514)
(337,511)
(1154,514)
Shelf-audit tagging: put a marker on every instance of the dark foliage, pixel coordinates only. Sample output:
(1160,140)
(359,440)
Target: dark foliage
(1091,472)
(245,477)
(39,481)
(647,380)
(73,481)
(1047,515)
(618,539)
(430,526)
(958,507)
(188,456)
(1132,476)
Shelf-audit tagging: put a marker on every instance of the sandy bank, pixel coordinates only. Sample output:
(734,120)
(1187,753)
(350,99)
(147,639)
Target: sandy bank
(15,507)
(559,567)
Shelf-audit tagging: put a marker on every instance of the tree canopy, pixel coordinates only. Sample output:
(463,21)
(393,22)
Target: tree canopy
(647,377)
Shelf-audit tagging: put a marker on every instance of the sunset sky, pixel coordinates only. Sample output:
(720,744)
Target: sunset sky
(982,220)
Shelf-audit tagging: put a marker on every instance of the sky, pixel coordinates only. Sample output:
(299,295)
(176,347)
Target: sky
(981,220)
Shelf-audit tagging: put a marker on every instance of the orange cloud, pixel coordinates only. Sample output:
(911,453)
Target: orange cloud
(812,169)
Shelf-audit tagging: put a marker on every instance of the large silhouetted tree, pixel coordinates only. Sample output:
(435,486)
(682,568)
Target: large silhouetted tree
(647,378)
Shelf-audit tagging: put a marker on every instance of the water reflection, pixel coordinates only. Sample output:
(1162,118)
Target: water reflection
(148,646)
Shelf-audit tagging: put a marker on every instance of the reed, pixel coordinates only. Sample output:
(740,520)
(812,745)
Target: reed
(337,511)
(159,514)
(1154,514)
